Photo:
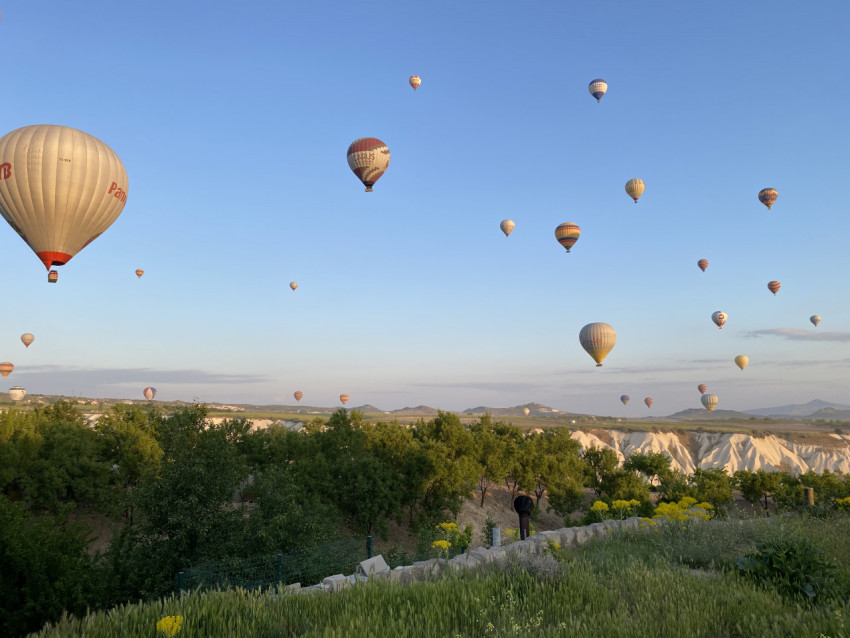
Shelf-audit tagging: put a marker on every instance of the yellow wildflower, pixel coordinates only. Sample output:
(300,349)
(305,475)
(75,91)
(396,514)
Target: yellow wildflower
(599,506)
(170,625)
(441,545)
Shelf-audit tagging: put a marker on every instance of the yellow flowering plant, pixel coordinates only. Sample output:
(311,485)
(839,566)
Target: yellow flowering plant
(170,625)
(452,539)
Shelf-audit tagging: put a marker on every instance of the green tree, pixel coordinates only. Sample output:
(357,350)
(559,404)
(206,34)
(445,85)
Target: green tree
(757,486)
(673,486)
(652,465)
(489,450)
(600,465)
(714,486)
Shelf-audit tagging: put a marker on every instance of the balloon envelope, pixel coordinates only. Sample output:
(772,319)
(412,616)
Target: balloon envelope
(597,88)
(773,286)
(567,234)
(415,81)
(343,398)
(507,226)
(6,368)
(368,158)
(702,388)
(624,399)
(139,273)
(597,339)
(60,188)
(703,264)
(635,188)
(767,196)
(525,411)
(298,395)
(27,338)
(719,318)
(17,393)
(149,393)
(709,401)
(741,361)
(293,285)
(648,401)
(815,319)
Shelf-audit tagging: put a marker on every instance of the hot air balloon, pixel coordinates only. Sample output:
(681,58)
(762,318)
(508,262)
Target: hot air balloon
(635,188)
(703,264)
(298,395)
(702,388)
(368,157)
(597,88)
(507,226)
(60,188)
(741,361)
(17,393)
(773,286)
(6,368)
(27,338)
(709,401)
(719,318)
(525,411)
(648,401)
(52,277)
(567,234)
(625,399)
(815,319)
(597,339)
(139,272)
(343,398)
(149,393)
(767,196)
(293,285)
(415,81)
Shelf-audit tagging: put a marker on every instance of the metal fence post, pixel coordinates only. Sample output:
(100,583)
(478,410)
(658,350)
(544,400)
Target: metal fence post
(180,581)
(368,547)
(279,574)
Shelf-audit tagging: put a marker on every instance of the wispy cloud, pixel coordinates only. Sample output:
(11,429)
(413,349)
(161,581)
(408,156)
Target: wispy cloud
(126,376)
(795,334)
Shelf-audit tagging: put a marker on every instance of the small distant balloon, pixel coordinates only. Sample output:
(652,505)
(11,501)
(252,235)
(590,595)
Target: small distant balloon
(635,188)
(343,398)
(597,339)
(6,368)
(27,338)
(525,411)
(773,286)
(415,81)
(567,234)
(149,393)
(767,196)
(507,226)
(17,393)
(298,395)
(625,399)
(702,388)
(815,319)
(719,318)
(293,285)
(741,361)
(648,401)
(139,273)
(703,264)
(709,401)
(368,158)
(597,88)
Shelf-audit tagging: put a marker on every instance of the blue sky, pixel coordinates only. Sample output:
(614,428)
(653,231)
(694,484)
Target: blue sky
(233,119)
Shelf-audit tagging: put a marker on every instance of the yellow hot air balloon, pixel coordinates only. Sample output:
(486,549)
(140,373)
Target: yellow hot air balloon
(60,188)
(415,81)
(298,395)
(815,319)
(598,88)
(703,264)
(139,272)
(597,339)
(741,361)
(27,338)
(293,285)
(709,401)
(719,318)
(525,411)
(368,158)
(343,398)
(767,196)
(635,188)
(6,368)
(773,286)
(17,393)
(567,234)
(507,226)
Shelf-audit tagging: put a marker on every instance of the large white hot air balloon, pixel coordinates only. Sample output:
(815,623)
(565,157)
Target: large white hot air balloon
(507,226)
(598,339)
(16,393)
(709,401)
(60,188)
